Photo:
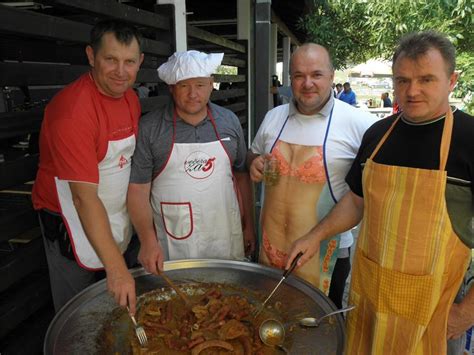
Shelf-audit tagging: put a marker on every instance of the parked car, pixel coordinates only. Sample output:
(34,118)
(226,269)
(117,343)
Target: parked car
(380,85)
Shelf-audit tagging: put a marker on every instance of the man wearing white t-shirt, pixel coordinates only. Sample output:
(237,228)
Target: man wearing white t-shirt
(315,139)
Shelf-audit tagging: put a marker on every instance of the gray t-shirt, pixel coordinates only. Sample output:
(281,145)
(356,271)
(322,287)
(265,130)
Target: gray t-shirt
(155,138)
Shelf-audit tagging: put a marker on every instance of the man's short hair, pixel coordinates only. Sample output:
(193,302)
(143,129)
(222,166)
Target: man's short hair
(347,84)
(417,44)
(123,32)
(339,85)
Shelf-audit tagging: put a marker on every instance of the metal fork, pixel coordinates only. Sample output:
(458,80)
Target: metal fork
(139,331)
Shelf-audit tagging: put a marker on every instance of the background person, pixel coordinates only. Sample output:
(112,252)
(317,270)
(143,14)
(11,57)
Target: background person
(347,95)
(87,140)
(188,168)
(416,237)
(143,91)
(386,102)
(284,93)
(313,137)
(338,90)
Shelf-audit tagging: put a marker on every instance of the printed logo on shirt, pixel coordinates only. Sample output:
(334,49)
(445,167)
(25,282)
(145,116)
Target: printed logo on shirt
(123,132)
(122,161)
(199,165)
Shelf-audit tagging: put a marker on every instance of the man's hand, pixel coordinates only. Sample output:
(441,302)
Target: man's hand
(458,321)
(256,168)
(346,214)
(151,256)
(121,287)
(308,245)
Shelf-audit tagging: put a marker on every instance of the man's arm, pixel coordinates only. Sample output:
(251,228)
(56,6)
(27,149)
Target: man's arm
(346,214)
(461,316)
(141,214)
(96,225)
(353,99)
(245,188)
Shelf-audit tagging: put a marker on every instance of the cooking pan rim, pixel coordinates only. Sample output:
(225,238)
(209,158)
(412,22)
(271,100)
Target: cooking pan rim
(65,313)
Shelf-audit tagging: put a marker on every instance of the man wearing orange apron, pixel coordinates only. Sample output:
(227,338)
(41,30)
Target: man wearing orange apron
(411,183)
(188,171)
(313,139)
(86,144)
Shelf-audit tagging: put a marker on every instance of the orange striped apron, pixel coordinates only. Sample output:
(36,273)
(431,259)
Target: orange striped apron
(408,264)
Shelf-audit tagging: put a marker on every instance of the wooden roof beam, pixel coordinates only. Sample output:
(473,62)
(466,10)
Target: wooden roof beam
(283,28)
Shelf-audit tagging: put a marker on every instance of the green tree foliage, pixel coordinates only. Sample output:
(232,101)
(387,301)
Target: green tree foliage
(465,87)
(357,30)
(226,70)
(327,26)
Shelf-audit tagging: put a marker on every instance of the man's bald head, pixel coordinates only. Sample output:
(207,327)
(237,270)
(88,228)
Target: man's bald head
(312,50)
(312,75)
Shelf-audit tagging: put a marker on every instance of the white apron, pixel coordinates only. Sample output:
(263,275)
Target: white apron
(114,176)
(195,207)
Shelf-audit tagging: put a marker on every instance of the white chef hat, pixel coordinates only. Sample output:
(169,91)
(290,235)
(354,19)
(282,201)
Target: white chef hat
(189,64)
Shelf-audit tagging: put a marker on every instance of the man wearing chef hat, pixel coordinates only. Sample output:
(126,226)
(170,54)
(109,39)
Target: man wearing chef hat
(188,170)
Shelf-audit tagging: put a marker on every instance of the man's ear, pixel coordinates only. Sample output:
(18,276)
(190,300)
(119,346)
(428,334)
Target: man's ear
(90,55)
(453,79)
(142,56)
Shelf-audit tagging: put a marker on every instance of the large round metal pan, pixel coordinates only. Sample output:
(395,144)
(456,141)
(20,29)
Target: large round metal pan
(77,327)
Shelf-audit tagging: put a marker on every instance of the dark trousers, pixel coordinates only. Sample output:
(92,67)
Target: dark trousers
(67,278)
(338,280)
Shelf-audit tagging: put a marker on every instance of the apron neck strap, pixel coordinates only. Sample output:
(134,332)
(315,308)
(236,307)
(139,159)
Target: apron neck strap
(211,118)
(385,136)
(445,139)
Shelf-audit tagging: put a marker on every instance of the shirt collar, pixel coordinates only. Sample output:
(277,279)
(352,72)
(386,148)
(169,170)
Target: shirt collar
(436,119)
(325,111)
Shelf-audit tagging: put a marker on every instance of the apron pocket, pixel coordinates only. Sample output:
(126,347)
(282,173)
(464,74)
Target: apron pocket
(177,219)
(393,292)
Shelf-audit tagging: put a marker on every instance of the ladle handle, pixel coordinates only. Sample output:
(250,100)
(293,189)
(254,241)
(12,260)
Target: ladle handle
(175,288)
(342,310)
(293,264)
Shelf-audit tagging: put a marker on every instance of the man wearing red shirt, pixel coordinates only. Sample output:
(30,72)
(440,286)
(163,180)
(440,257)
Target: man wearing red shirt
(86,143)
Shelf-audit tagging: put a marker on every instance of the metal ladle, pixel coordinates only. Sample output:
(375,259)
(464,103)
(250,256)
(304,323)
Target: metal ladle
(272,333)
(314,322)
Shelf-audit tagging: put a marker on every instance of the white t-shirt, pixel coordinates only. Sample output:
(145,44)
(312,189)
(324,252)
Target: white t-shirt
(348,125)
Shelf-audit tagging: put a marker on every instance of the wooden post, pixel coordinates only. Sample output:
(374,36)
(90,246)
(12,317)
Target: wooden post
(179,22)
(244,30)
(262,60)
(286,61)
